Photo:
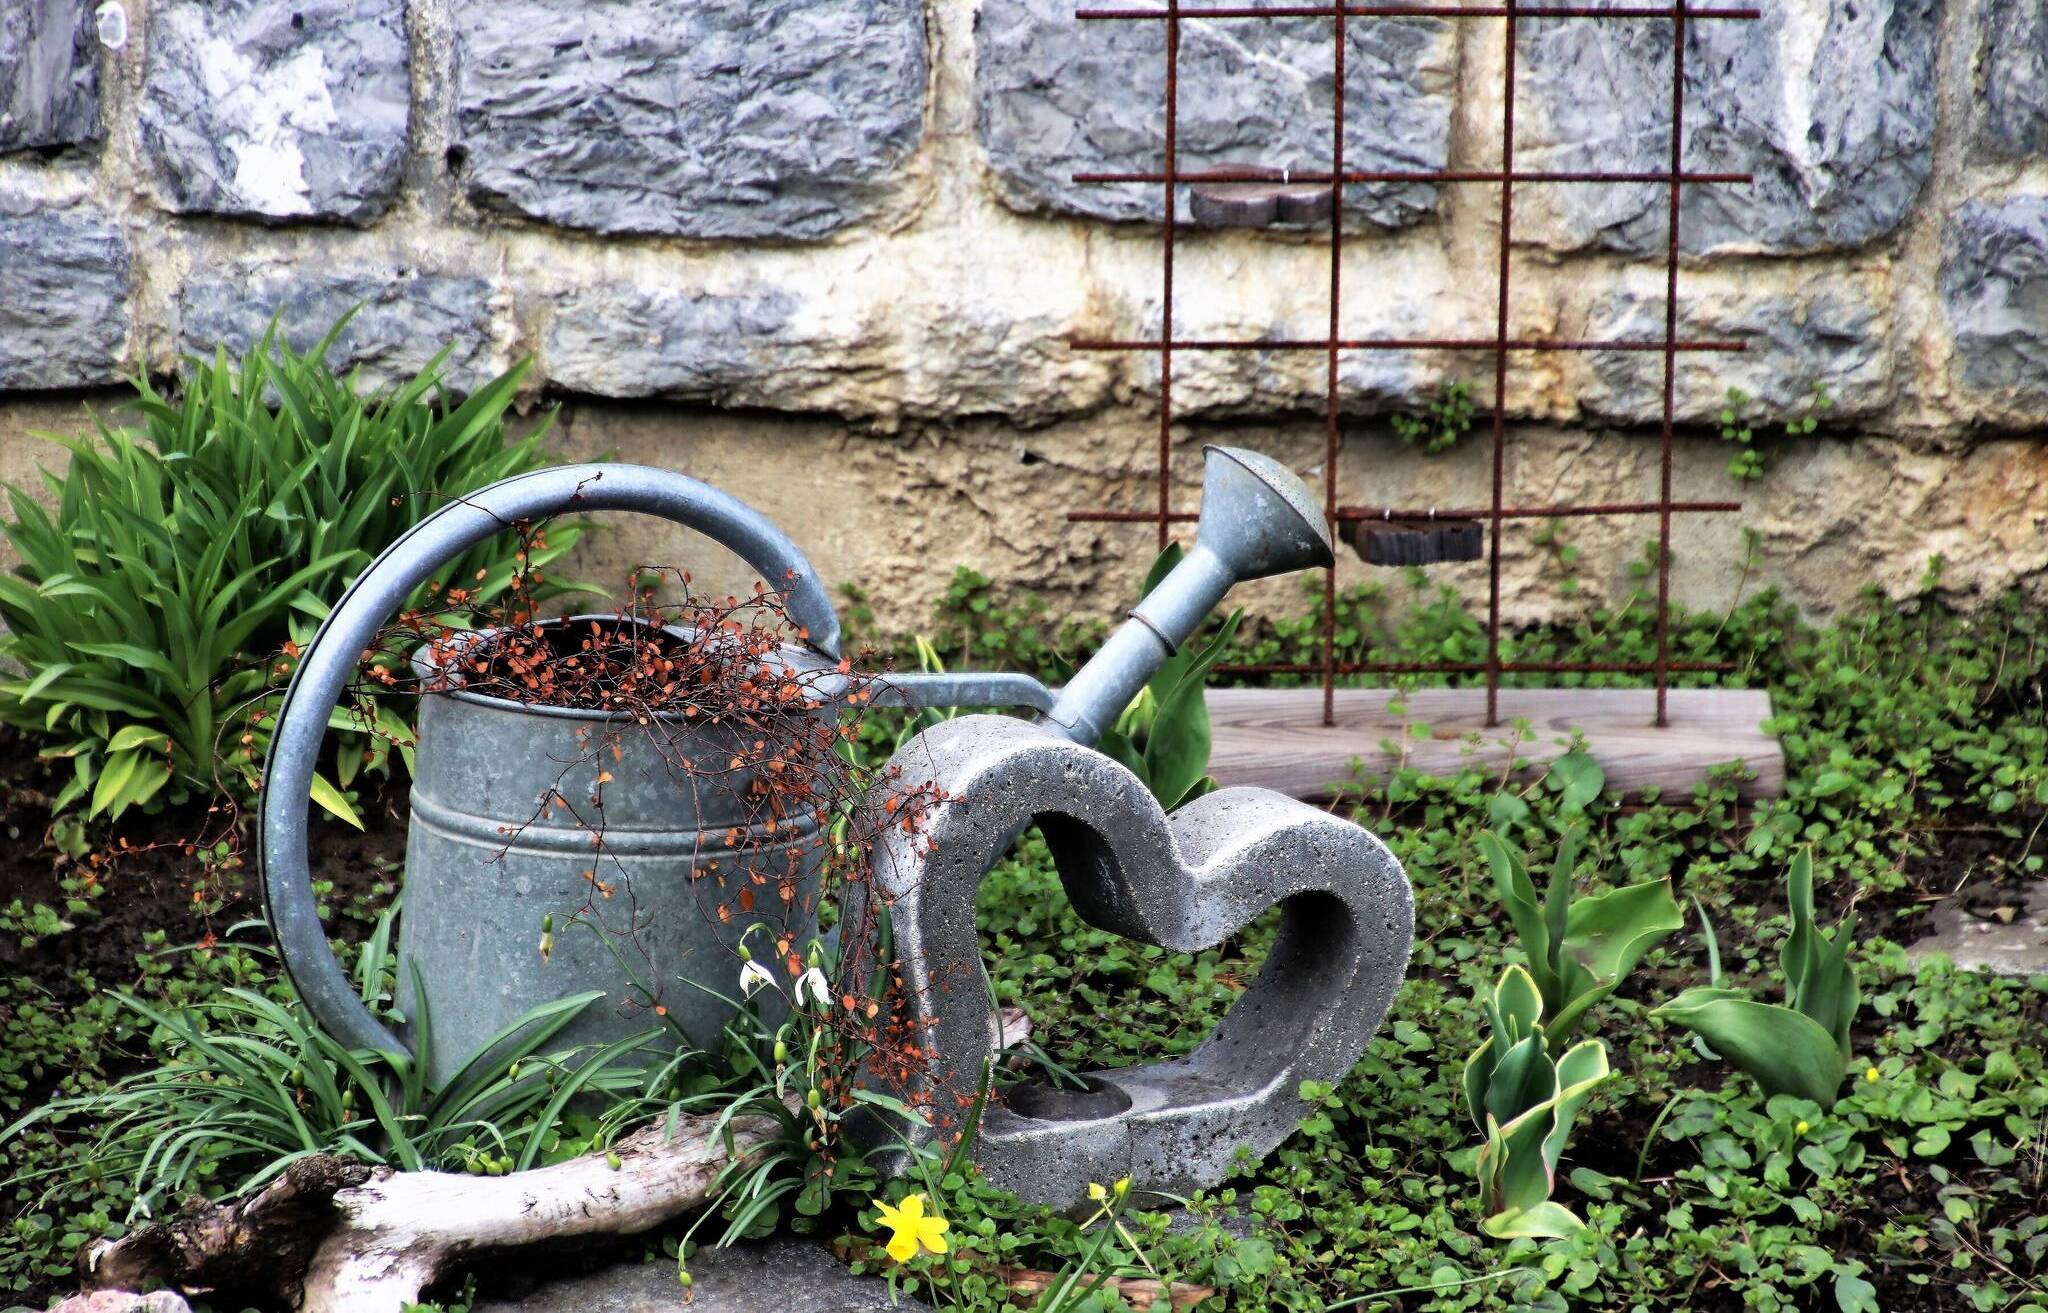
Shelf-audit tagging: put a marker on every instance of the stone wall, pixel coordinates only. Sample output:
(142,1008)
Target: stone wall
(827,253)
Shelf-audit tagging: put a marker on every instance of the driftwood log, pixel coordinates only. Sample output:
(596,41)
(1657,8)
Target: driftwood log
(333,1236)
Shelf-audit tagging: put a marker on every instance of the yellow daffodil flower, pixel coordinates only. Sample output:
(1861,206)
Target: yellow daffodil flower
(910,1228)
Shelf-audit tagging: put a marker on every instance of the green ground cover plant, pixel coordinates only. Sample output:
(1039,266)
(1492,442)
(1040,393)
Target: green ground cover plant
(1918,761)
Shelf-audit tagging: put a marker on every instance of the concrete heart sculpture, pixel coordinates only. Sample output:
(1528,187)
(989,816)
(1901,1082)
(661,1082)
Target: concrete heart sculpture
(1183,882)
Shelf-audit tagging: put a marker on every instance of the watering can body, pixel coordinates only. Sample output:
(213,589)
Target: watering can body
(601,829)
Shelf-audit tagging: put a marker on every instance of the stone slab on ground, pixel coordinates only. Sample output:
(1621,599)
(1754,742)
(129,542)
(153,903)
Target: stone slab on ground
(122,1301)
(779,1275)
(2015,948)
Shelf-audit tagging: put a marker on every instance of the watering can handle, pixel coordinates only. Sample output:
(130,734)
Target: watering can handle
(317,686)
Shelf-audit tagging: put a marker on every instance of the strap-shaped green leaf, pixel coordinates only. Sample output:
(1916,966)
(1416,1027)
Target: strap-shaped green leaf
(1786,1052)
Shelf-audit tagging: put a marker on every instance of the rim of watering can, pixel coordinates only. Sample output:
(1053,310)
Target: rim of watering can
(425,667)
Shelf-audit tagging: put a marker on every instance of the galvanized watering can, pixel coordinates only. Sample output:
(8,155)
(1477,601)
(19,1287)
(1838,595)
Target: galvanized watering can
(475,900)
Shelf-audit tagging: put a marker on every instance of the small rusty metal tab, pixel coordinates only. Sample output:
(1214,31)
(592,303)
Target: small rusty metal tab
(1268,197)
(1416,542)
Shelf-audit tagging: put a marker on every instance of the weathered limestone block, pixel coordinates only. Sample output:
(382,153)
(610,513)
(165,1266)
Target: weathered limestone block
(1994,284)
(49,74)
(2012,79)
(1057,96)
(939,332)
(277,109)
(641,342)
(685,118)
(1828,103)
(403,321)
(64,312)
(1832,331)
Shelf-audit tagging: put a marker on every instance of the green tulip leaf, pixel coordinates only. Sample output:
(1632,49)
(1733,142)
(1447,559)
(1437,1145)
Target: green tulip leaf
(1544,1221)
(1785,1051)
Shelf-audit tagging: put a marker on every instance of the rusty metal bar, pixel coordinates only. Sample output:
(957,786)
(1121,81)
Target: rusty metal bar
(1500,374)
(1479,668)
(1166,292)
(1408,344)
(1350,513)
(1413,11)
(1336,329)
(1350,176)
(1534,512)
(1670,361)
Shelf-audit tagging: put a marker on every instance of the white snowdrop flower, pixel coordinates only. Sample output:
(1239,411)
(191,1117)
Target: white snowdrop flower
(813,983)
(112,21)
(752,977)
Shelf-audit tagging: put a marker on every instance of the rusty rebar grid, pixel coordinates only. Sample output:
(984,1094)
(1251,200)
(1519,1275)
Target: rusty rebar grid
(1500,345)
(1472,667)
(1412,11)
(1651,344)
(1349,176)
(1351,513)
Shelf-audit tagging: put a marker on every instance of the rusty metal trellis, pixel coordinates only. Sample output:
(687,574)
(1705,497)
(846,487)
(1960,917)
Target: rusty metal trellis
(1173,13)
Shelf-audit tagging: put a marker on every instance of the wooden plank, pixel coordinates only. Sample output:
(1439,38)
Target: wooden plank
(1275,737)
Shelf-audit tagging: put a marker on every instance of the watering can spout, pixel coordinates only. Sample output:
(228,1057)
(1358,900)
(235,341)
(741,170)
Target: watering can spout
(1257,520)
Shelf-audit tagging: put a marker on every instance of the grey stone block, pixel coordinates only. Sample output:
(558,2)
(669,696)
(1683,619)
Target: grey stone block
(779,1275)
(1184,882)
(1994,286)
(64,311)
(405,318)
(633,342)
(679,117)
(1057,96)
(277,109)
(1832,332)
(1828,103)
(2008,947)
(49,74)
(2012,79)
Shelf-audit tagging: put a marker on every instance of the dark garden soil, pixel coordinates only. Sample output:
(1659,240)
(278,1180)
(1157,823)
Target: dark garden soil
(150,884)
